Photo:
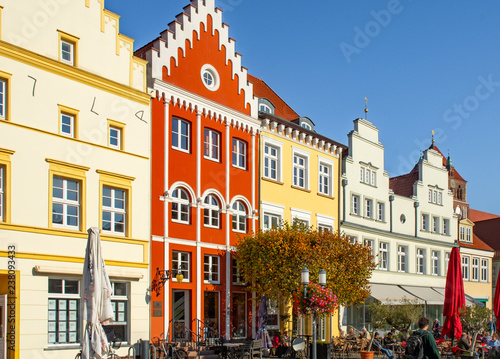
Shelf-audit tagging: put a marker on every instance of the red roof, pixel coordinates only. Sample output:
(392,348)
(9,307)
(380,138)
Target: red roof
(489,231)
(445,161)
(403,185)
(262,90)
(477,216)
(477,243)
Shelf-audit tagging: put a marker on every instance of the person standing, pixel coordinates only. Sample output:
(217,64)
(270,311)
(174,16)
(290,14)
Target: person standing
(430,348)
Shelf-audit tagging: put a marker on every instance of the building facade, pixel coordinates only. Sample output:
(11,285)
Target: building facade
(74,154)
(205,139)
(408,221)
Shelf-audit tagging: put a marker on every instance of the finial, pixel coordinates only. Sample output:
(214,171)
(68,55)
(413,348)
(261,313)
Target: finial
(366,108)
(433,137)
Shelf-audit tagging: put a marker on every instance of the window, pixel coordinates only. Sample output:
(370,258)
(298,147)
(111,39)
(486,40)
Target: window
(325,179)
(265,108)
(368,176)
(2,193)
(211,269)
(239,154)
(68,121)
(180,206)
(420,261)
(66,203)
(299,171)
(67,52)
(180,134)
(435,196)
(180,262)
(212,144)
(113,210)
(271,221)
(446,227)
(368,208)
(484,270)
(237,279)
(3,99)
(446,262)
(475,269)
(383,254)
(119,302)
(435,262)
(353,239)
(355,205)
(402,266)
(380,211)
(210,77)
(271,162)
(370,243)
(239,217)
(64,315)
(324,227)
(462,233)
(211,212)
(469,234)
(115,137)
(435,224)
(465,268)
(425,222)
(306,126)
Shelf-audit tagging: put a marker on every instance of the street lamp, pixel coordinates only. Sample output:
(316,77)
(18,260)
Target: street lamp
(458,212)
(305,282)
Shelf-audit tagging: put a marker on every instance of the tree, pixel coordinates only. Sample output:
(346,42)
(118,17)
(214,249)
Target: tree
(270,262)
(473,319)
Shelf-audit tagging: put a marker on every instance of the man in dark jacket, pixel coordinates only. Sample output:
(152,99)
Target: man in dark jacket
(430,348)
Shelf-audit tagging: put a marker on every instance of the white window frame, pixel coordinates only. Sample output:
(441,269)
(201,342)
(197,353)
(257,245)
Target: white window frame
(114,211)
(446,226)
(121,305)
(179,135)
(465,267)
(66,203)
(235,273)
(420,261)
(370,243)
(381,211)
(325,177)
(469,234)
(435,224)
(70,52)
(239,220)
(435,263)
(368,176)
(270,217)
(184,266)
(383,253)
(115,137)
(268,159)
(265,108)
(3,99)
(475,269)
(212,261)
(324,228)
(2,192)
(183,206)
(211,211)
(402,259)
(212,142)
(297,168)
(369,208)
(239,153)
(269,212)
(425,218)
(462,233)
(355,204)
(484,270)
(446,262)
(301,215)
(71,124)
(55,300)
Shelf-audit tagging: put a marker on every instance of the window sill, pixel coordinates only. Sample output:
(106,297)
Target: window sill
(63,347)
(235,231)
(212,159)
(210,282)
(66,230)
(272,181)
(239,168)
(368,184)
(300,189)
(213,227)
(326,195)
(180,222)
(181,150)
(355,215)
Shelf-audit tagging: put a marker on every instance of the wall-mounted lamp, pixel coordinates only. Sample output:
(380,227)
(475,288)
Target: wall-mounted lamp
(162,276)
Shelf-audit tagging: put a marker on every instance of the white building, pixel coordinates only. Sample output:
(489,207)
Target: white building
(407,220)
(74,153)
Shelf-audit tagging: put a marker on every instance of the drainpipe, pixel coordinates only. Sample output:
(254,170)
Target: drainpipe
(391,199)
(345,182)
(416,204)
(340,176)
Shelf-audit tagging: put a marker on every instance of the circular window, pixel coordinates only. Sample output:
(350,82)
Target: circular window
(210,77)
(403,218)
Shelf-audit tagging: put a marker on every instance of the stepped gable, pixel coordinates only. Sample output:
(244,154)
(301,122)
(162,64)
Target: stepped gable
(196,38)
(262,90)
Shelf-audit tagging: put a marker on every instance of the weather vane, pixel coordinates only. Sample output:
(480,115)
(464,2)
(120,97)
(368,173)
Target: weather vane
(366,108)
(432,137)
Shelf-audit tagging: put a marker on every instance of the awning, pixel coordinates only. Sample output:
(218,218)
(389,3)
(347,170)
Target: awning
(391,293)
(429,295)
(469,300)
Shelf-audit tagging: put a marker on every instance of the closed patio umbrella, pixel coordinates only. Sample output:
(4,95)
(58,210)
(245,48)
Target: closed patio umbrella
(496,302)
(97,299)
(454,298)
(262,322)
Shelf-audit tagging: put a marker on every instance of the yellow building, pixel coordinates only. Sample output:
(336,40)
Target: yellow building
(74,154)
(299,178)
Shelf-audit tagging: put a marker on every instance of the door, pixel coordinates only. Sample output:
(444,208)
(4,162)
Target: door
(180,314)
(211,313)
(3,326)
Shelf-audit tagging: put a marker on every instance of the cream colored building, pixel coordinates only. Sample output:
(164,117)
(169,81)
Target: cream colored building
(74,153)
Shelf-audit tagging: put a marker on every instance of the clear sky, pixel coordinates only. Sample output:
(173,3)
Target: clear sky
(423,65)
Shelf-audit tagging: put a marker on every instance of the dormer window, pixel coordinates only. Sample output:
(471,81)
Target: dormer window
(266,106)
(306,126)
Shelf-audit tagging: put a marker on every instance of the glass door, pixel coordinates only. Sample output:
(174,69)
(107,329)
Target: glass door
(180,311)
(211,313)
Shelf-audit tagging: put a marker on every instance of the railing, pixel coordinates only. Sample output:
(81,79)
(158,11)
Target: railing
(206,334)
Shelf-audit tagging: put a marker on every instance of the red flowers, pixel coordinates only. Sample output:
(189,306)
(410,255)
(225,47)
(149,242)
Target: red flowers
(318,299)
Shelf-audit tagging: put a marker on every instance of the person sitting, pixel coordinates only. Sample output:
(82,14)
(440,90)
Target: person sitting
(377,344)
(351,334)
(464,343)
(486,338)
(388,340)
(365,334)
(342,335)
(494,342)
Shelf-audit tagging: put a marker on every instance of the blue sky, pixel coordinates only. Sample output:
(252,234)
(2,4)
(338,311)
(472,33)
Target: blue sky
(422,65)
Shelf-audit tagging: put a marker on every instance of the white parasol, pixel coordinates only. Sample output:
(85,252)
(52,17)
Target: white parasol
(97,298)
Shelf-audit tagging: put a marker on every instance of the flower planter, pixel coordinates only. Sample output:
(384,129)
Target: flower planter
(366,355)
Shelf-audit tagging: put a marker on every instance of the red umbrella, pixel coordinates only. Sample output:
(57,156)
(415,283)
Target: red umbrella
(454,297)
(496,303)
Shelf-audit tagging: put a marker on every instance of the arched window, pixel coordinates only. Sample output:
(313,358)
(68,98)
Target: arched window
(239,217)
(180,206)
(211,211)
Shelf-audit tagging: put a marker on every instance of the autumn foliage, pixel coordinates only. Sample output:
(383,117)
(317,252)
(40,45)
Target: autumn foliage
(270,262)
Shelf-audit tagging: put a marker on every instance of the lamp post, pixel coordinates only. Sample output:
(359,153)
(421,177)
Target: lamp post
(305,282)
